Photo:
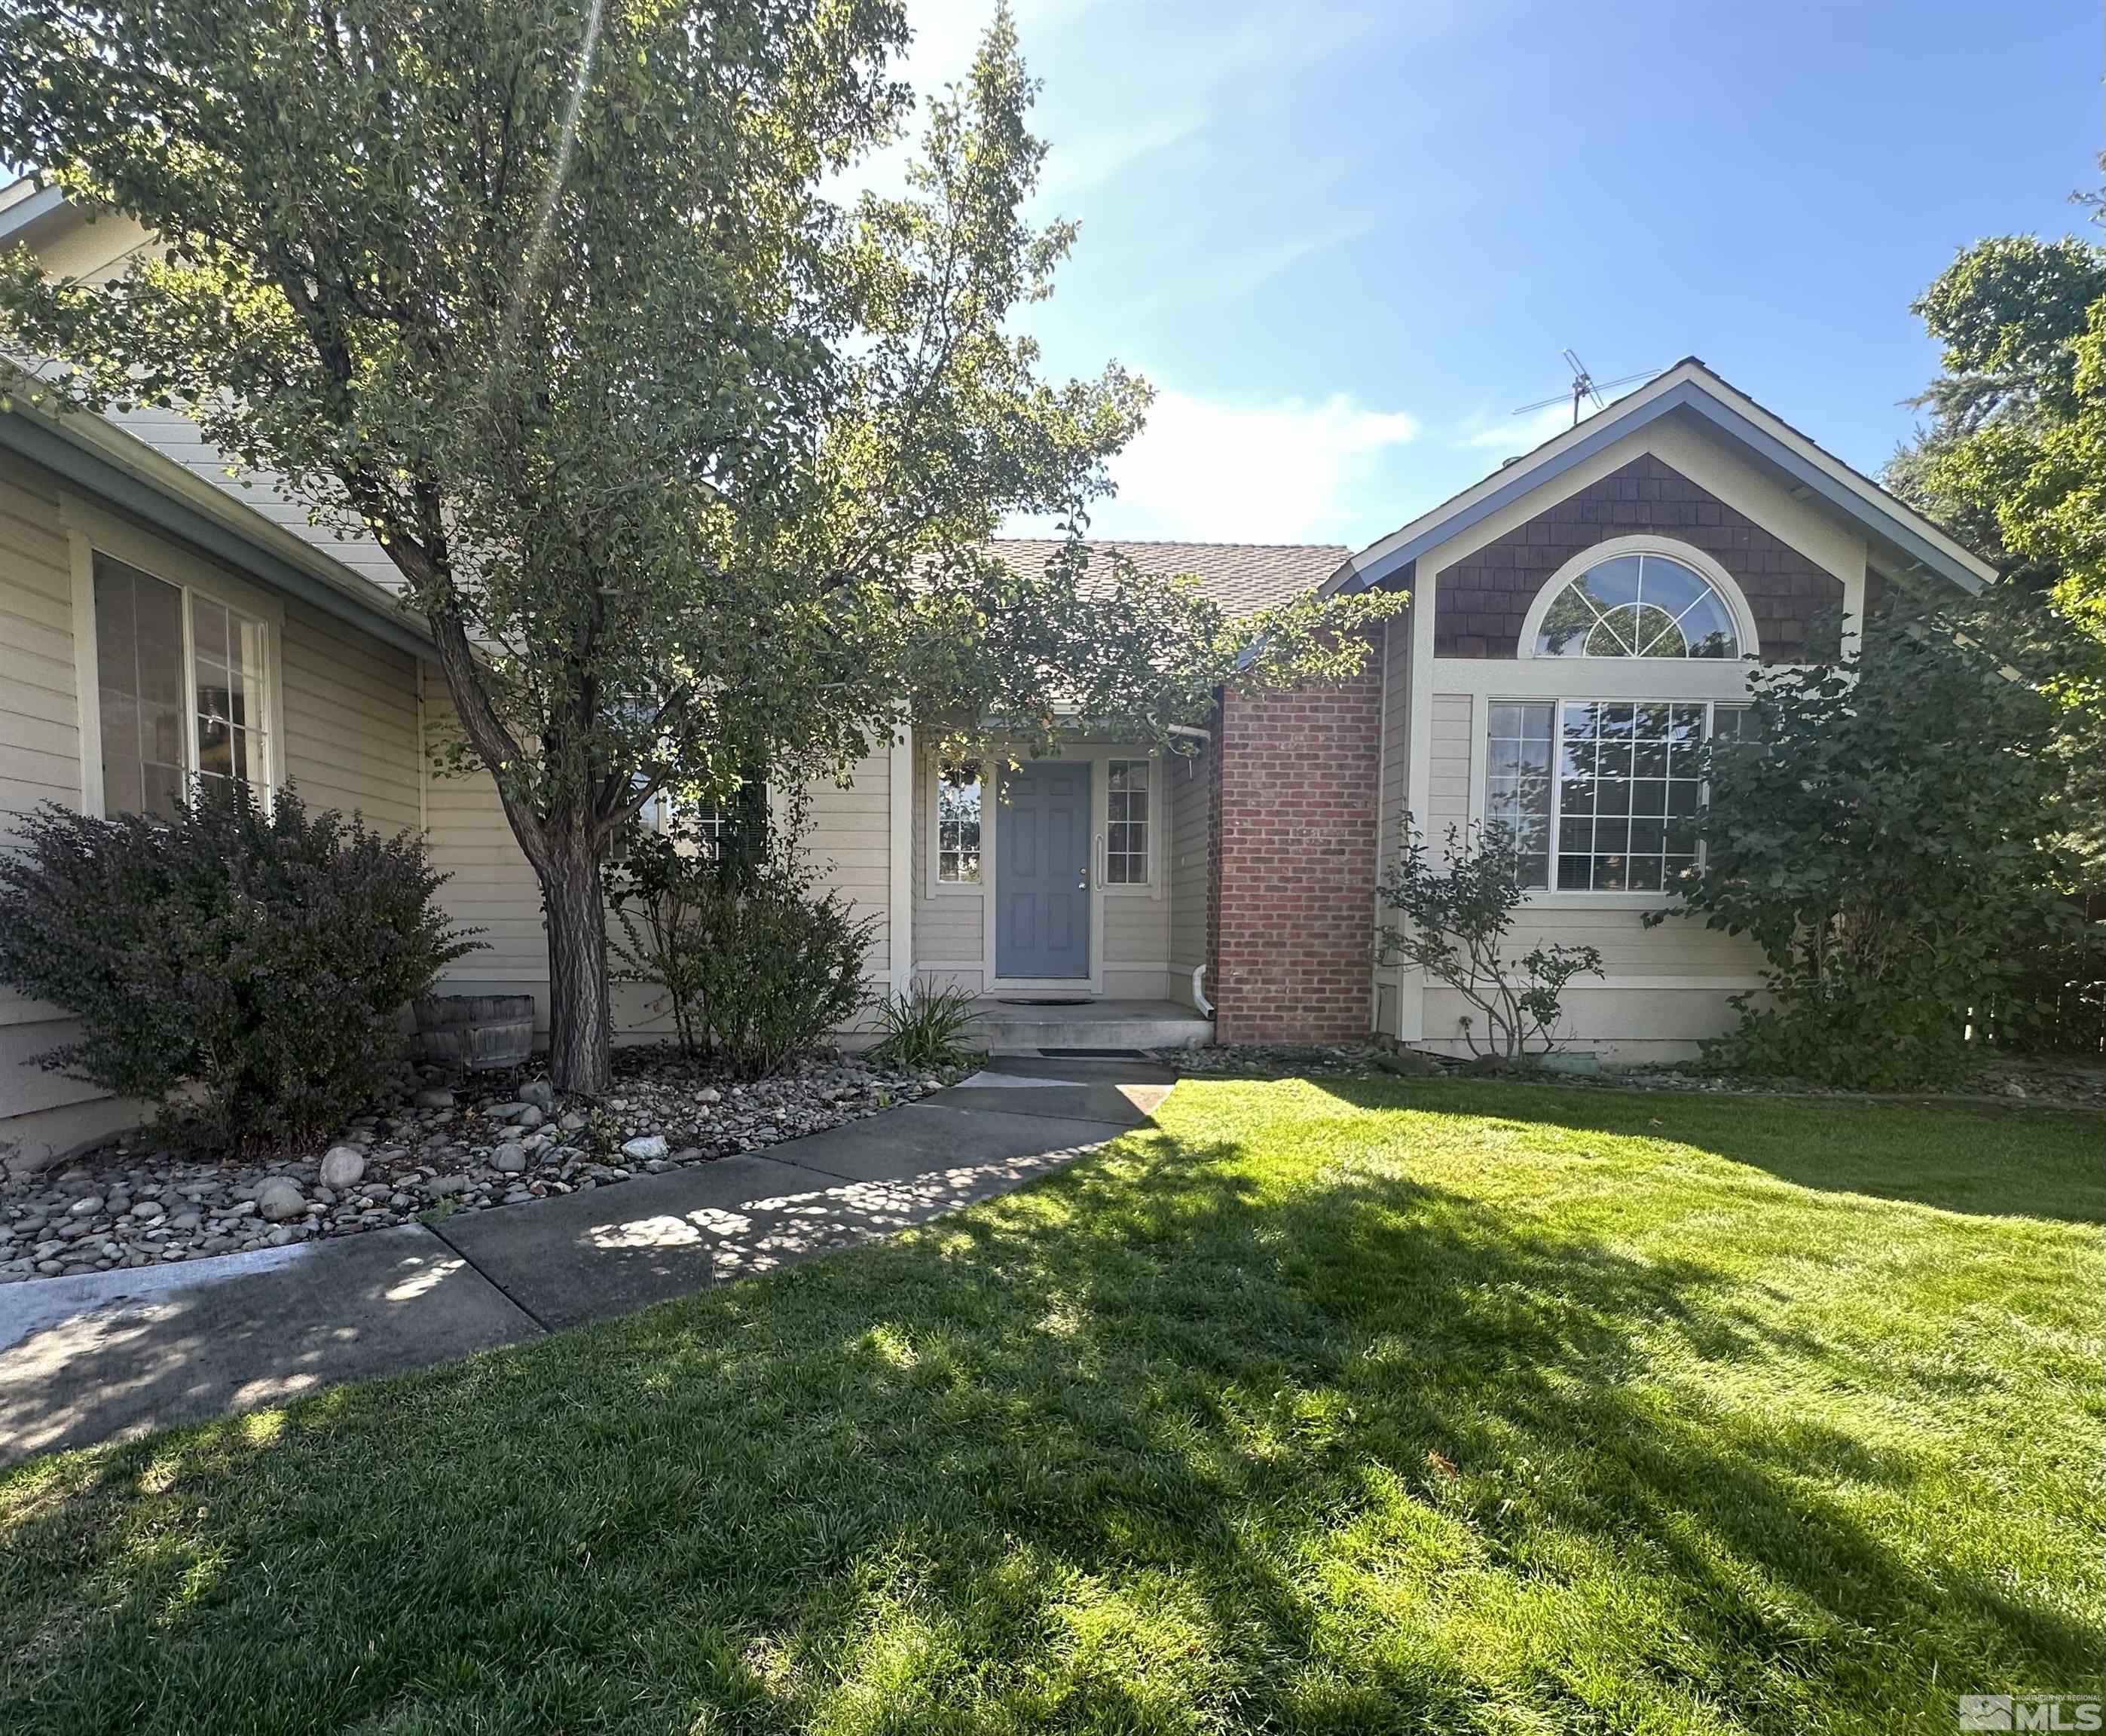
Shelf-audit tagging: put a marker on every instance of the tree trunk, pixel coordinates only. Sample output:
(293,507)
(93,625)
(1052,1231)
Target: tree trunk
(579,1027)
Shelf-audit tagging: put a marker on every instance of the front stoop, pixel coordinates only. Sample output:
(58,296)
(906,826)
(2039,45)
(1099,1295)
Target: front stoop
(1004,1028)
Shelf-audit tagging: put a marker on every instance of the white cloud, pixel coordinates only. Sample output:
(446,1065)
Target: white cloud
(1204,470)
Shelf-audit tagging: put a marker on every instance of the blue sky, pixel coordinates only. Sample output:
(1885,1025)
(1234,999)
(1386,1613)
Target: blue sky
(1344,241)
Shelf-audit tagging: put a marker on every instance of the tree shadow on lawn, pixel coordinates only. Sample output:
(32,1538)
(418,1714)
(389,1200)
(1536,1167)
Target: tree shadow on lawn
(1973,1158)
(1171,1441)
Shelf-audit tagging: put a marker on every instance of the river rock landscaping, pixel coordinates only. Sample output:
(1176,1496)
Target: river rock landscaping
(436,1145)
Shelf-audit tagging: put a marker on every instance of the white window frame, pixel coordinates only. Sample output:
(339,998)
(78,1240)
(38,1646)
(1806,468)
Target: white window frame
(91,530)
(1667,549)
(937,887)
(1481,802)
(1147,882)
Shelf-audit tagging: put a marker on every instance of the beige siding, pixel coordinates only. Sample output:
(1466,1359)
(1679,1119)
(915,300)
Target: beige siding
(1392,796)
(39,713)
(1697,968)
(1137,943)
(351,720)
(488,886)
(1396,739)
(39,762)
(948,924)
(1190,806)
(850,842)
(349,739)
(73,246)
(491,888)
(1448,776)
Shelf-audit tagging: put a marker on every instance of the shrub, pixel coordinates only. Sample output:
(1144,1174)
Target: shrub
(754,966)
(1458,921)
(1889,841)
(925,1027)
(255,963)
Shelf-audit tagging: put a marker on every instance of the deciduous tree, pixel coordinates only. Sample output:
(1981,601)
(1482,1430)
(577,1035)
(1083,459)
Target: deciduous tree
(687,464)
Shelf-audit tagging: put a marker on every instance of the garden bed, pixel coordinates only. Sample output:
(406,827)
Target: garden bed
(438,1145)
(2060,1083)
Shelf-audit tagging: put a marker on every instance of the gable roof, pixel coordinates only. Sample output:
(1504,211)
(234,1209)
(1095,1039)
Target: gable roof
(1239,577)
(1911,541)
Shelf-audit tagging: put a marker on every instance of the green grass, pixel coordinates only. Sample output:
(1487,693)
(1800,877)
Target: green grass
(1356,1406)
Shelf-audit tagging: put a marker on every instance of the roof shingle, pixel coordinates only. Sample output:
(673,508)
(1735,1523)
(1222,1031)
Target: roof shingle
(1240,577)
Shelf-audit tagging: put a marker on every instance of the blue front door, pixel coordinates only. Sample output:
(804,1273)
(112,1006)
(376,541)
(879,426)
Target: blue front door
(1043,871)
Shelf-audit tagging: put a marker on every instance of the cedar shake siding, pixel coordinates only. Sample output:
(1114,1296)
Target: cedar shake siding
(1480,602)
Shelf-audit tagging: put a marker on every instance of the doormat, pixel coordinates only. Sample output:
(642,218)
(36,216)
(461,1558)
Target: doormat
(1069,1000)
(1095,1054)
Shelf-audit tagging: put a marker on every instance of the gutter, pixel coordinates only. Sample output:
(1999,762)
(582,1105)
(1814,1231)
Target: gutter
(102,461)
(18,217)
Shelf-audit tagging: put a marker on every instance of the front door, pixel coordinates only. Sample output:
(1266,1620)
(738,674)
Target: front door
(1042,871)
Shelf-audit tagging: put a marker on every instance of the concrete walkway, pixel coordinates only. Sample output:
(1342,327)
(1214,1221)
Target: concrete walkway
(84,1359)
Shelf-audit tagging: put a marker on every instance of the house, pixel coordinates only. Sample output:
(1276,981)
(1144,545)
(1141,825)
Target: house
(1613,587)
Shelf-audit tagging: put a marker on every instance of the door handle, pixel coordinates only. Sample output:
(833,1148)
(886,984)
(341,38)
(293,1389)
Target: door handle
(1082,878)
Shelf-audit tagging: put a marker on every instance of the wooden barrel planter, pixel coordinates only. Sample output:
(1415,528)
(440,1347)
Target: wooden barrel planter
(478,1032)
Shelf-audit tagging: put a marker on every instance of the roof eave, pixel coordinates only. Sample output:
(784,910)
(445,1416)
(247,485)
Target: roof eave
(102,460)
(1687,386)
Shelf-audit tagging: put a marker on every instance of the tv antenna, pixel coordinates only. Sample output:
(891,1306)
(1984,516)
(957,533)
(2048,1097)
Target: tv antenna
(1585,387)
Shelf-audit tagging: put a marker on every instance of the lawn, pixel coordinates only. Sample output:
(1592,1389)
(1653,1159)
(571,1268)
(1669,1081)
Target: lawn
(1349,1405)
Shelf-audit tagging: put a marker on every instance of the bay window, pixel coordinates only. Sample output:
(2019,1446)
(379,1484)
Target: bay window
(1602,795)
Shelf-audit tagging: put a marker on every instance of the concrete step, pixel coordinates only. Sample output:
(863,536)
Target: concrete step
(1020,1029)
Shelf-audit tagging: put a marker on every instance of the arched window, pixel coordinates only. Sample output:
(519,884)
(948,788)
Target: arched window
(1638,605)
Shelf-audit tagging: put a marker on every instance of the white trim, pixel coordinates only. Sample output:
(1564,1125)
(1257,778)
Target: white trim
(1381,817)
(86,666)
(1518,679)
(423,754)
(933,886)
(1667,548)
(1101,813)
(1690,373)
(1418,777)
(1552,897)
(1521,468)
(899,811)
(993,761)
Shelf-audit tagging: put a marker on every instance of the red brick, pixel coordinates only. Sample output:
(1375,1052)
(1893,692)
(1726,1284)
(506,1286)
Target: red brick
(1291,861)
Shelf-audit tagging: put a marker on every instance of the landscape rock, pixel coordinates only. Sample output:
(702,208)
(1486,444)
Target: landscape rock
(132,1204)
(278,1199)
(342,1167)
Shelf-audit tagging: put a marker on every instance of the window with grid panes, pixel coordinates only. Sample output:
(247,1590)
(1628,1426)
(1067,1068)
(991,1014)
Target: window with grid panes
(1126,839)
(1603,795)
(170,710)
(958,824)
